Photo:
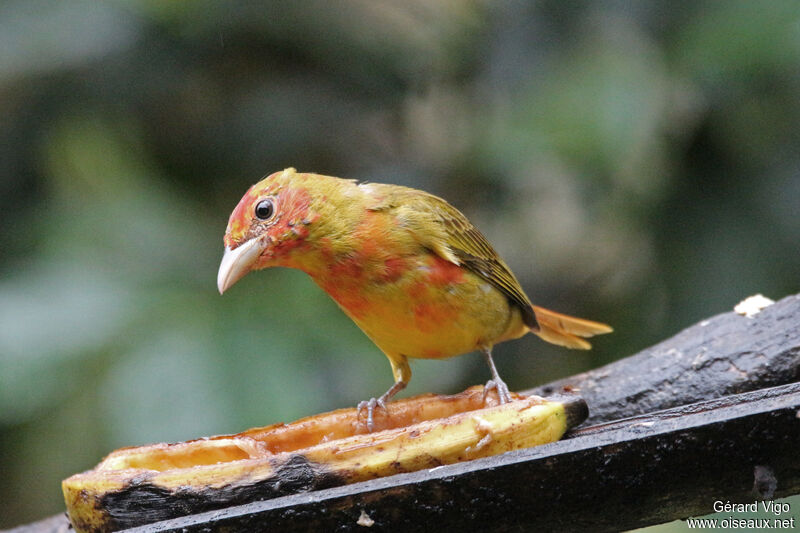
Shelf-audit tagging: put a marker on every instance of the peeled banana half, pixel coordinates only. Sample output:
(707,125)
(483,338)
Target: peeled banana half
(136,486)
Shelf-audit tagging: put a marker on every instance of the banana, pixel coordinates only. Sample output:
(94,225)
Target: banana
(135,486)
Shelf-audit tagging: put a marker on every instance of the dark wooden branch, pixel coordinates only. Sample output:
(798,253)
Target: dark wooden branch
(672,461)
(616,476)
(52,524)
(723,355)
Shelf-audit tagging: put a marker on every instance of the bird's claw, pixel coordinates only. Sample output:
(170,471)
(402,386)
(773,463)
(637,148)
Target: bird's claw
(500,386)
(370,406)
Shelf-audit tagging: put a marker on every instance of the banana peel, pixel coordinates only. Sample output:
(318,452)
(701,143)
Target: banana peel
(141,485)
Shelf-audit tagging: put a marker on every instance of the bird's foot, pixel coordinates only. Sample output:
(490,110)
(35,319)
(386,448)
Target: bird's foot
(373,403)
(370,406)
(500,386)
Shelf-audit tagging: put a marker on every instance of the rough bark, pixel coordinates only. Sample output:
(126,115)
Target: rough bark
(611,477)
(697,435)
(723,355)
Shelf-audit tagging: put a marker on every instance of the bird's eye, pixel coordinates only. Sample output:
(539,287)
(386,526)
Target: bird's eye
(265,209)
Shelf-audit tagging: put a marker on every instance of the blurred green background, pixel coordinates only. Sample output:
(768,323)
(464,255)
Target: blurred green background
(634,162)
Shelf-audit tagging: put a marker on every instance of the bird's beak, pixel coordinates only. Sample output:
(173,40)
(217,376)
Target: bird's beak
(237,262)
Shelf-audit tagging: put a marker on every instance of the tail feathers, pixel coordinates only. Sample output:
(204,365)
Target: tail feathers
(566,330)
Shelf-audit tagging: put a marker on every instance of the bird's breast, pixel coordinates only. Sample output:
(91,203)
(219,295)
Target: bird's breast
(418,305)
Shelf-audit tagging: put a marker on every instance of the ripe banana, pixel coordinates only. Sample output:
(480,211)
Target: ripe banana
(134,486)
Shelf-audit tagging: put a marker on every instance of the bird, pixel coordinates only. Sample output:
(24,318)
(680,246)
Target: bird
(406,266)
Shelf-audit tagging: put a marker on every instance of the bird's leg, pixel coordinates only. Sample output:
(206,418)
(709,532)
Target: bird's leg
(373,402)
(495,383)
(402,375)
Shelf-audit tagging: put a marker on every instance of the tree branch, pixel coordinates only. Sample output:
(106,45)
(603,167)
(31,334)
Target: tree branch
(696,436)
(723,355)
(616,476)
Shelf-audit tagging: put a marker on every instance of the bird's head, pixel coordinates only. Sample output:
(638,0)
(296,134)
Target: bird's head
(269,226)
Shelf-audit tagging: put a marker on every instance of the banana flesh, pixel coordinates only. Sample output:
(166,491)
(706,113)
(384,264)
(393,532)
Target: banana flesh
(135,486)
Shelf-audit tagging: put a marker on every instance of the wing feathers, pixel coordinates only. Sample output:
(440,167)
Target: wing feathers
(444,229)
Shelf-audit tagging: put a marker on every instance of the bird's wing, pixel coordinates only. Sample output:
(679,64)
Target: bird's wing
(442,228)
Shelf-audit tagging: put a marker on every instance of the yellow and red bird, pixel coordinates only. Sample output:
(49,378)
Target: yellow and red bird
(407,267)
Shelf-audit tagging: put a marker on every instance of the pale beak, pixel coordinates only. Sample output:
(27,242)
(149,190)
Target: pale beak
(237,262)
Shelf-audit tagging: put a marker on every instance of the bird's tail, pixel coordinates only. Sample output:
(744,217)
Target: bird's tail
(566,330)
